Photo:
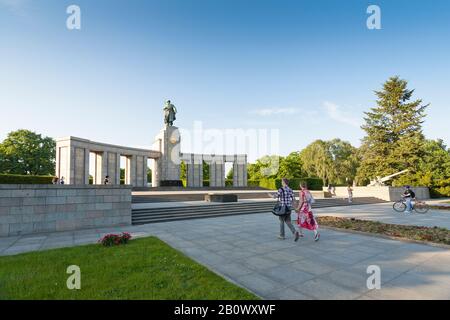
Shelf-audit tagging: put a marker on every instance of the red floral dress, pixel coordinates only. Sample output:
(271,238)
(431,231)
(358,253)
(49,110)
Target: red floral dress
(306,218)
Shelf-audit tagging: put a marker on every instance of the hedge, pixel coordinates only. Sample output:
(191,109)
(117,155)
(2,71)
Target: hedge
(440,192)
(275,184)
(24,179)
(253,183)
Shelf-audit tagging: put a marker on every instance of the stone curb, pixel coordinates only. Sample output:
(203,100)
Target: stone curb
(383,236)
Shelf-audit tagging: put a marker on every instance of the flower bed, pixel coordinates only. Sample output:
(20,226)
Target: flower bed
(115,239)
(428,234)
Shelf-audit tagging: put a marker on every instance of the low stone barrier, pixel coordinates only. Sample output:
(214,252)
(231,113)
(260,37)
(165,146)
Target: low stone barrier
(27,209)
(221,197)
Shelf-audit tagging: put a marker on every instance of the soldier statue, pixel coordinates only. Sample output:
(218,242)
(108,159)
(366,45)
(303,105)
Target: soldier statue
(169,113)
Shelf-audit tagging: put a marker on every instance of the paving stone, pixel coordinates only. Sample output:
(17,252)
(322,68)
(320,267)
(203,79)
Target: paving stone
(259,284)
(287,294)
(234,269)
(259,263)
(427,285)
(286,275)
(325,290)
(389,292)
(316,268)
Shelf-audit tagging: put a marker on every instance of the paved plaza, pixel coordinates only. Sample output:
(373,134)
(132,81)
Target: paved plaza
(245,250)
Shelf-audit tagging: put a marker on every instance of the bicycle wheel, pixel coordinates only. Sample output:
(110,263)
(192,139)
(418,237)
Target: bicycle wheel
(421,208)
(399,206)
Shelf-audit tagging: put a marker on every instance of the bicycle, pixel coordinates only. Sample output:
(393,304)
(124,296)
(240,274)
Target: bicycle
(418,206)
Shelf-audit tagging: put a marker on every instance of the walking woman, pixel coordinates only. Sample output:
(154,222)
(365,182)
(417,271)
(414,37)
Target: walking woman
(306,218)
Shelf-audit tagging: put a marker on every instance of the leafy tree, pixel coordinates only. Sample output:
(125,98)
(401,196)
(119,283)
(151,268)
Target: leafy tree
(433,167)
(394,140)
(264,167)
(205,171)
(290,166)
(183,174)
(345,161)
(333,161)
(26,152)
(230,174)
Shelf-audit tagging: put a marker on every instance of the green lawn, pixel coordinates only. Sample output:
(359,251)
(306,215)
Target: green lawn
(145,268)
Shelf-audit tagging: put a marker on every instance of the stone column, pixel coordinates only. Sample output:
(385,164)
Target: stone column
(130,171)
(79,173)
(240,171)
(139,171)
(145,180)
(63,162)
(101,167)
(194,171)
(116,168)
(217,171)
(156,171)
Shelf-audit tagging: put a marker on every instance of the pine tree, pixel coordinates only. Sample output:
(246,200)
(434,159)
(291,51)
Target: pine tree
(394,140)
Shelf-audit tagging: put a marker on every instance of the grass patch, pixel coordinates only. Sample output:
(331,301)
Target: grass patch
(146,268)
(429,234)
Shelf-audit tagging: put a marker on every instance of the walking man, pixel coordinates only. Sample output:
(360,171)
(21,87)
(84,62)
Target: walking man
(285,196)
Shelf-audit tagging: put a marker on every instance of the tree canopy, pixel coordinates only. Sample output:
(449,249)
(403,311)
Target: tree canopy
(26,152)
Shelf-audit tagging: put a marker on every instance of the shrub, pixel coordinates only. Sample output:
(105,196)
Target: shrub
(440,189)
(24,179)
(115,239)
(274,184)
(253,183)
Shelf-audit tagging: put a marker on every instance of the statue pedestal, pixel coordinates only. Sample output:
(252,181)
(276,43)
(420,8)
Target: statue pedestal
(166,169)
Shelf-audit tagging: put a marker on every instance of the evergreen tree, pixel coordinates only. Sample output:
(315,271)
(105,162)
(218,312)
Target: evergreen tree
(394,140)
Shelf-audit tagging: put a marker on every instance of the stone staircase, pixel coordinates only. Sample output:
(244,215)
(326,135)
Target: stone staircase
(164,214)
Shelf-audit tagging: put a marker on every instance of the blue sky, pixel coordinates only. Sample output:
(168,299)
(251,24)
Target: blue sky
(306,68)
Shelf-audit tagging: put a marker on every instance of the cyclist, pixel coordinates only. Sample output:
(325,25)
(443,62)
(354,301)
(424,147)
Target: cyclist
(409,196)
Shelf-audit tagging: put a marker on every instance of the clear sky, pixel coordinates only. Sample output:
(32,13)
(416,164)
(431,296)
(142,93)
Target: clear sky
(305,68)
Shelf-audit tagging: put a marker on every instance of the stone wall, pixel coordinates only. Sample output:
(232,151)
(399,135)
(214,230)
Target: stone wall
(382,192)
(26,209)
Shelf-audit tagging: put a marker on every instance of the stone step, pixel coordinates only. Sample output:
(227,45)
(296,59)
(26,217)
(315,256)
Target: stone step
(151,215)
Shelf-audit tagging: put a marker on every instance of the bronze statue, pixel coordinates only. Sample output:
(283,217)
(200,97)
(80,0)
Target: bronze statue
(169,113)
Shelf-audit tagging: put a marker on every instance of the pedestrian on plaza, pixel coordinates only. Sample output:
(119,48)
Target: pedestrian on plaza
(285,197)
(306,218)
(106,181)
(55,180)
(61,181)
(350,193)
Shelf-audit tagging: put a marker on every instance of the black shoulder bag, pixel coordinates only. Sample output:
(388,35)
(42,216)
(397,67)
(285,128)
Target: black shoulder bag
(280,209)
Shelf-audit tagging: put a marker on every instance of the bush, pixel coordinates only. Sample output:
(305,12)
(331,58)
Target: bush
(253,183)
(24,179)
(440,192)
(440,189)
(115,239)
(274,184)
